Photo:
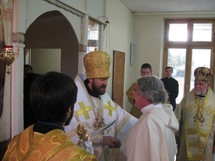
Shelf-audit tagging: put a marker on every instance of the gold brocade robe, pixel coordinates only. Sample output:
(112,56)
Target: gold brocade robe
(52,146)
(197,128)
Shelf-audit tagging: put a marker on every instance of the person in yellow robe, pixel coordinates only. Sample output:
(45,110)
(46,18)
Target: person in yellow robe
(196,115)
(52,97)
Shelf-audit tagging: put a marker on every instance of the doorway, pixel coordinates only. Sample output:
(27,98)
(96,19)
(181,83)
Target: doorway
(44,33)
(118,77)
(54,46)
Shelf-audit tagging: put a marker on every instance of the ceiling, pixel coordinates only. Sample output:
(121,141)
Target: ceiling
(165,6)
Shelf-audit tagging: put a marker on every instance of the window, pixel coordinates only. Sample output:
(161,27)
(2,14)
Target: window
(93,35)
(188,43)
(202,32)
(180,29)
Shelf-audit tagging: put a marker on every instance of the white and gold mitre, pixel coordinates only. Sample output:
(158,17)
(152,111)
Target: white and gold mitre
(203,74)
(97,64)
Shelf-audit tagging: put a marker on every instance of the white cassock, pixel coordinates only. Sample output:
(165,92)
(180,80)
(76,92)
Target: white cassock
(85,111)
(153,136)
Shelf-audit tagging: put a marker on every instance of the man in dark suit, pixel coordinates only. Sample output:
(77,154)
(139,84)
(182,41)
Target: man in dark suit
(171,85)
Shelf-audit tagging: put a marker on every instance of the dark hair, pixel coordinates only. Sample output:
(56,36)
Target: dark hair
(28,66)
(168,67)
(146,65)
(51,96)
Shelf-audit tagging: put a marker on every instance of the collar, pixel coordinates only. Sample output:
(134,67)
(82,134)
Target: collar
(151,106)
(45,127)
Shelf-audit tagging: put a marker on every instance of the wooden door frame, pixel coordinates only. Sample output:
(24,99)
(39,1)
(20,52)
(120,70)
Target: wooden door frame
(118,64)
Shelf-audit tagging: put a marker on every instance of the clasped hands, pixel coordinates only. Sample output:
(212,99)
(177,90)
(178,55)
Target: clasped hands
(111,142)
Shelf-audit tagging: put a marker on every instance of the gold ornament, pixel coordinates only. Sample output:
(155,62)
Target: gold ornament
(7,55)
(82,133)
(98,122)
(199,117)
(98,113)
(200,103)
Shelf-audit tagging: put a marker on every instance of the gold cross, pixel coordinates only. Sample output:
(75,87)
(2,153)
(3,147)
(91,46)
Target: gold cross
(110,108)
(84,110)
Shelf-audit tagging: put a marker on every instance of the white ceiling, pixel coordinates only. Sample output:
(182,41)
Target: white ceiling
(160,6)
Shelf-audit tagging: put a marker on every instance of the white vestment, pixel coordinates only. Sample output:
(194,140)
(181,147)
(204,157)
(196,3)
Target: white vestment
(153,136)
(85,110)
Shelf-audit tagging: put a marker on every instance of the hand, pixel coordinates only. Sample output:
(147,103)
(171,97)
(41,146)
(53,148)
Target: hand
(116,142)
(111,142)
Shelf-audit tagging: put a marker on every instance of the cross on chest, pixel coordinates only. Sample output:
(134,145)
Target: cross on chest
(110,108)
(84,110)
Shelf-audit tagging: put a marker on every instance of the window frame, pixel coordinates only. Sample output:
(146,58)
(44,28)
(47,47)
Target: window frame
(189,45)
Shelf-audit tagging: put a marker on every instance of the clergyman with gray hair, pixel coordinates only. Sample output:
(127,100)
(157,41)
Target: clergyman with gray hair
(153,136)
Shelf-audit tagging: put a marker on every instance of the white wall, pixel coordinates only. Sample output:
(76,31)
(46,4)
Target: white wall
(148,38)
(118,36)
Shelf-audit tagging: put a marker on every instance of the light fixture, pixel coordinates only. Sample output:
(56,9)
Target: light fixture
(105,19)
(7,56)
